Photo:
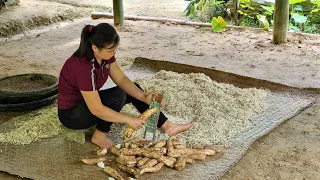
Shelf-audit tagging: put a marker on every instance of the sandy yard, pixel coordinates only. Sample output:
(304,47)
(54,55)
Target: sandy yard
(290,151)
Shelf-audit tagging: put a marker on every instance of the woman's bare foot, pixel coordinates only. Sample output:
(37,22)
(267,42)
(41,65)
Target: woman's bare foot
(100,139)
(173,129)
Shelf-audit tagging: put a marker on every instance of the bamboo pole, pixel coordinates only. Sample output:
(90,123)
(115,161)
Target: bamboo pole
(98,15)
(118,13)
(281,20)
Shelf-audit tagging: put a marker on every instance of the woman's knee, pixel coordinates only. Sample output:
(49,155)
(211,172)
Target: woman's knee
(122,97)
(114,98)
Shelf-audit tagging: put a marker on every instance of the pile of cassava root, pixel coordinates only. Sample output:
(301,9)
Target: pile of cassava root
(137,156)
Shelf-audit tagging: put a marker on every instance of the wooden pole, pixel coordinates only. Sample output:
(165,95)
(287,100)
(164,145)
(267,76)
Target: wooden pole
(281,20)
(236,4)
(97,15)
(118,13)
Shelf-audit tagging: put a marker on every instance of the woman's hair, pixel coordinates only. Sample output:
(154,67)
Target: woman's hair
(101,35)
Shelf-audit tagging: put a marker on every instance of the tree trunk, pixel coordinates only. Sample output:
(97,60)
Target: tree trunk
(281,20)
(118,13)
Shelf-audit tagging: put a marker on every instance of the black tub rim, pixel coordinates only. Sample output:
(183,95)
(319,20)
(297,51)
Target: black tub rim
(12,97)
(32,91)
(25,106)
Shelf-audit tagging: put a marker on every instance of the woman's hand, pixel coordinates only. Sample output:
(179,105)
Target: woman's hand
(135,123)
(149,98)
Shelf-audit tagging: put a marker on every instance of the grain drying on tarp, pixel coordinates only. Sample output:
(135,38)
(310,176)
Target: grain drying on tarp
(33,126)
(220,111)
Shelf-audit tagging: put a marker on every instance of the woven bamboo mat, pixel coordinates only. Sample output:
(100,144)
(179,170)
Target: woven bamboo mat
(56,158)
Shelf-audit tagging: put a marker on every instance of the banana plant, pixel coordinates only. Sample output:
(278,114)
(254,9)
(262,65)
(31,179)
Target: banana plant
(191,7)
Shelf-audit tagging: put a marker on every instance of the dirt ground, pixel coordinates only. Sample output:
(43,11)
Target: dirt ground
(290,151)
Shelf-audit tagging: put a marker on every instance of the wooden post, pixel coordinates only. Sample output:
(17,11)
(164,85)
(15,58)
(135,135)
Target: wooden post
(236,4)
(118,13)
(281,20)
